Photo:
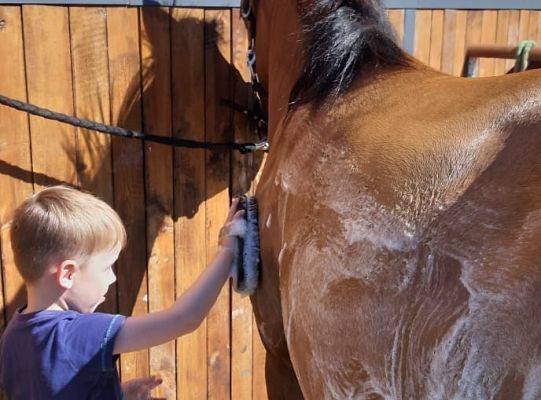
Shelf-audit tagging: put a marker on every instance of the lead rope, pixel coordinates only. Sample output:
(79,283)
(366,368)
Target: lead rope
(523,55)
(128,133)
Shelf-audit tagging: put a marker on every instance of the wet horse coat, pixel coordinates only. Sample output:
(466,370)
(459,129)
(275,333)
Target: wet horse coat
(400,229)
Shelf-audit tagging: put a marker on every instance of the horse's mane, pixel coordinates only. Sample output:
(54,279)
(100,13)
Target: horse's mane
(342,39)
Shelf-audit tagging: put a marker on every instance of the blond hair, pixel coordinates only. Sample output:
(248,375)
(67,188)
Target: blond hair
(60,223)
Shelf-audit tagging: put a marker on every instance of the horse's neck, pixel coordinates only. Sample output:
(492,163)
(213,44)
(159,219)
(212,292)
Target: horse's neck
(284,60)
(284,57)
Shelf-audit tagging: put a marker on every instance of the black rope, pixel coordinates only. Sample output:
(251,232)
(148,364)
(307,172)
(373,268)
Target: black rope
(128,133)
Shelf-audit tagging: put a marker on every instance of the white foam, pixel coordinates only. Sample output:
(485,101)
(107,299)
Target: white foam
(532,383)
(238,227)
(357,229)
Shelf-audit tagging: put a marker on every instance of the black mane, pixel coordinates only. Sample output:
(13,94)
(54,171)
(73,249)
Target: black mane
(342,38)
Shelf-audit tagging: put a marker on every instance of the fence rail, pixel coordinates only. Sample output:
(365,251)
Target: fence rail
(391,4)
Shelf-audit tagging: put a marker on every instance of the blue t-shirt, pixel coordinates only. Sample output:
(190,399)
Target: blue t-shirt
(60,355)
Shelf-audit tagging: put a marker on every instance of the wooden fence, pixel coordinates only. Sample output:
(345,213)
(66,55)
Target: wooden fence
(165,70)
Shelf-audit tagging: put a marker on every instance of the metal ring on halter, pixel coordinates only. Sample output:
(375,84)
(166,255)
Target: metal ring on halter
(262,146)
(259,146)
(250,61)
(250,57)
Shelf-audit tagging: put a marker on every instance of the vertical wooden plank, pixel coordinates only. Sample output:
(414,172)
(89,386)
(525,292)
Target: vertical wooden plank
(218,128)
(128,174)
(460,41)
(244,167)
(523,28)
(14,292)
(501,39)
(449,41)
(396,17)
(488,36)
(47,50)
(3,322)
(91,96)
(473,30)
(2,303)
(156,67)
(474,26)
(422,35)
(513,35)
(538,39)
(524,25)
(15,157)
(534,29)
(436,39)
(188,109)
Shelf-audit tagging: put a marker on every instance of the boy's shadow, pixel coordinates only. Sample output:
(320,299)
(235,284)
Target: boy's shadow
(132,152)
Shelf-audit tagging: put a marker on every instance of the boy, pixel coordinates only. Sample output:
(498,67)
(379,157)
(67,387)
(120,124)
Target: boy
(65,243)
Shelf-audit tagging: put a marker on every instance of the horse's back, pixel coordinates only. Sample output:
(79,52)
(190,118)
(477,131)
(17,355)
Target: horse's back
(406,239)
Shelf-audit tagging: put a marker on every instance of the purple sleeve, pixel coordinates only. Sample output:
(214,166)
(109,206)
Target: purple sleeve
(90,338)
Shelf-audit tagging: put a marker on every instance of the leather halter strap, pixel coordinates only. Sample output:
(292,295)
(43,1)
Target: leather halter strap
(248,15)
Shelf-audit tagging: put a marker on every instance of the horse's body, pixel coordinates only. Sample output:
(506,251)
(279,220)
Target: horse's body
(400,233)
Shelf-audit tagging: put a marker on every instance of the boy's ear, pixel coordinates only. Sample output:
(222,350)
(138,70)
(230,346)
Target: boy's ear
(65,272)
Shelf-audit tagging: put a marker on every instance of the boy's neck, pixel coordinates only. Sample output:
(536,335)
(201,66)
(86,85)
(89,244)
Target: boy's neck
(42,296)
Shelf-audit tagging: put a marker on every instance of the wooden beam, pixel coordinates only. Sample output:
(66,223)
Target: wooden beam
(497,51)
(400,4)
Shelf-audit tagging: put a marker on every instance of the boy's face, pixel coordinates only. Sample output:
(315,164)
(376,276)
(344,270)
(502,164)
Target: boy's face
(91,281)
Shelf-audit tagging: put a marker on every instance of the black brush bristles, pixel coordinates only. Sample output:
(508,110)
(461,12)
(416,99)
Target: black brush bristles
(246,262)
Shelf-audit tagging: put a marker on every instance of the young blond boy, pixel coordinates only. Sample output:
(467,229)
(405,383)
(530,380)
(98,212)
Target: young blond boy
(65,243)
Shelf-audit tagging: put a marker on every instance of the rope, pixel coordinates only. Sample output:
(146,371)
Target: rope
(117,131)
(523,55)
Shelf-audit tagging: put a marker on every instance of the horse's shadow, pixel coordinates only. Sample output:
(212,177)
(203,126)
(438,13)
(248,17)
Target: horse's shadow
(131,110)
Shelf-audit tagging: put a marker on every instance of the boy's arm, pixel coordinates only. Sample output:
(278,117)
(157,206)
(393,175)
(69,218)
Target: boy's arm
(187,313)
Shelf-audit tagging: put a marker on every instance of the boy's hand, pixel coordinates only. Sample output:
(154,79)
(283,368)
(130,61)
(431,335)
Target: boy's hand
(140,388)
(225,239)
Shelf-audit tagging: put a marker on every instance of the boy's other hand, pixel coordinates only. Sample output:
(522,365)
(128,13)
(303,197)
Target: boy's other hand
(225,239)
(140,388)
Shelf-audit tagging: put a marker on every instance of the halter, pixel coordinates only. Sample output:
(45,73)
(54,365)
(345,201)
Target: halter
(248,15)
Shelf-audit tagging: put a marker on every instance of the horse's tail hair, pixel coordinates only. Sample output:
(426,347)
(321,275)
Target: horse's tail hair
(341,39)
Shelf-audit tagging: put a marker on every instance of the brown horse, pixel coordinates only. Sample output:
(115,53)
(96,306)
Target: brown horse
(400,216)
